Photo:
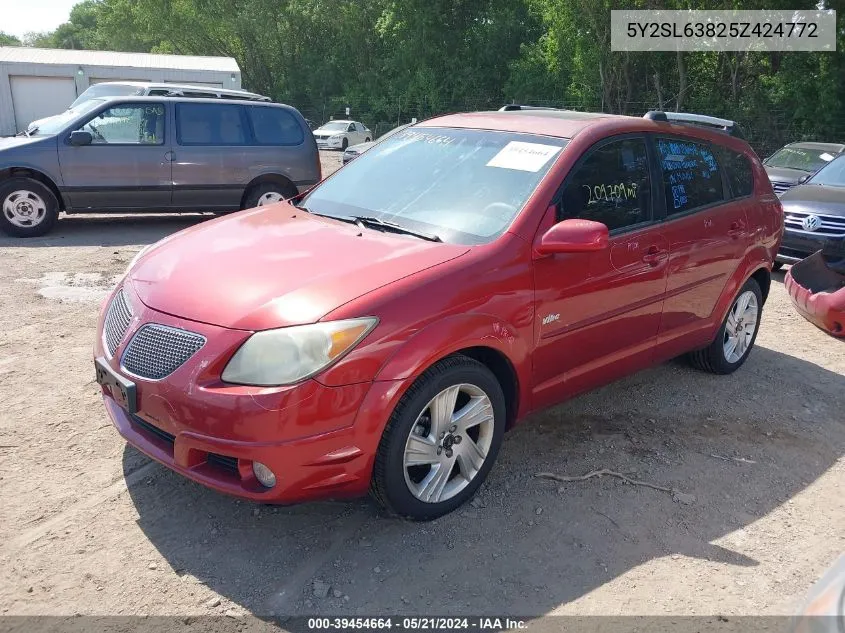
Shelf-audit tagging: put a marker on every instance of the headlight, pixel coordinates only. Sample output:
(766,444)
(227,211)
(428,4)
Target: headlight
(336,137)
(287,355)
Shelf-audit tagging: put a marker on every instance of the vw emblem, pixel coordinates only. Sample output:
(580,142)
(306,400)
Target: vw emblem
(811,223)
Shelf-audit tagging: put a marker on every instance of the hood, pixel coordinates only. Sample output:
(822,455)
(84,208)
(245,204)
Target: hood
(815,199)
(785,174)
(360,148)
(275,266)
(10,142)
(322,131)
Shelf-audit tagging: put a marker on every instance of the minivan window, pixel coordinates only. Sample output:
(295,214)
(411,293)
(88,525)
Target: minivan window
(274,126)
(465,186)
(691,176)
(610,186)
(737,168)
(210,124)
(128,124)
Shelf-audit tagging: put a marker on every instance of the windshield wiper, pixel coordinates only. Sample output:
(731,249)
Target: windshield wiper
(373,222)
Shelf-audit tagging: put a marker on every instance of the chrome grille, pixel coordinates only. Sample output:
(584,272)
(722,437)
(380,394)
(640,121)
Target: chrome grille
(116,322)
(831,226)
(780,187)
(156,351)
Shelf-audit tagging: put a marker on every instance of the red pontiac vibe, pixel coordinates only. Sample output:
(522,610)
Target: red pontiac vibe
(383,331)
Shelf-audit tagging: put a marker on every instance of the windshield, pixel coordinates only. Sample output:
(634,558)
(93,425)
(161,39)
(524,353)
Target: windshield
(57,123)
(464,186)
(334,126)
(832,174)
(808,160)
(107,90)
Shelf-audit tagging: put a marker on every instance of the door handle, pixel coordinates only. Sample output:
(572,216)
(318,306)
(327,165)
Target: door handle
(654,255)
(169,156)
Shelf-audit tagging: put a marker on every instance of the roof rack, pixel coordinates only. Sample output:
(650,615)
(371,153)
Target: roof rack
(701,120)
(515,106)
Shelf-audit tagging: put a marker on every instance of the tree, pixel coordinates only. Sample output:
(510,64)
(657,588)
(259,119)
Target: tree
(8,40)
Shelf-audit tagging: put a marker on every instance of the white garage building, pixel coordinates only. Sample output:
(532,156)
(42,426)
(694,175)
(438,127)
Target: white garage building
(40,82)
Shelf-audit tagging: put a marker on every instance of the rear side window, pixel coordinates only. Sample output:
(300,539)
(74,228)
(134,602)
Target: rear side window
(274,126)
(611,186)
(738,170)
(691,176)
(210,124)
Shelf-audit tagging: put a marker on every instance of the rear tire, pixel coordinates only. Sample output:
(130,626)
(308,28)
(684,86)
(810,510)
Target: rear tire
(268,193)
(441,440)
(27,207)
(734,341)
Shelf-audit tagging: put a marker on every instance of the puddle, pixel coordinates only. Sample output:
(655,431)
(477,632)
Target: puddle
(86,287)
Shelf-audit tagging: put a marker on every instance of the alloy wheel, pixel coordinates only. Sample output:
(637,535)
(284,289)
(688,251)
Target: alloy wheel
(24,208)
(271,197)
(449,443)
(740,327)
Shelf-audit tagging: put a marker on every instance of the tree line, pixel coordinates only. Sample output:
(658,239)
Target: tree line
(389,60)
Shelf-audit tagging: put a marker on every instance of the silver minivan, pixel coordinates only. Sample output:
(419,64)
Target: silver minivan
(128,154)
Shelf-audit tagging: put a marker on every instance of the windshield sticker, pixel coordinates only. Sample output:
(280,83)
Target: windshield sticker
(827,157)
(524,156)
(425,137)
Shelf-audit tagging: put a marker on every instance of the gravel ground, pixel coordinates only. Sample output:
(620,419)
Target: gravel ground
(90,526)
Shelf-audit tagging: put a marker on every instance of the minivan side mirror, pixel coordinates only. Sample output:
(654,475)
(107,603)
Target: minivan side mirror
(803,179)
(80,137)
(574,236)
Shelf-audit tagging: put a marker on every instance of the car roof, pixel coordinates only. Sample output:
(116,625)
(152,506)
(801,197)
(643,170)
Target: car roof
(569,123)
(837,148)
(340,121)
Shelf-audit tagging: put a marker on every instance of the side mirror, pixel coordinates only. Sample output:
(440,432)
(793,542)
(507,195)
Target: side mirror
(803,179)
(80,137)
(574,236)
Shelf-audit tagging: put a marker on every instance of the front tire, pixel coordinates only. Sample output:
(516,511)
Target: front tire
(344,144)
(27,207)
(441,440)
(736,337)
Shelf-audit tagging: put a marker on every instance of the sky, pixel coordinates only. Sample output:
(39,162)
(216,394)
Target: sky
(18,17)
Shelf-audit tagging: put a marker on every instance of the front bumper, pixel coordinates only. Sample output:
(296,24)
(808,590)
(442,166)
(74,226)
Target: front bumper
(330,143)
(799,245)
(309,434)
(818,293)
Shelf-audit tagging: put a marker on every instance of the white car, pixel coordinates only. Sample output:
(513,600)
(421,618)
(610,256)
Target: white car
(342,134)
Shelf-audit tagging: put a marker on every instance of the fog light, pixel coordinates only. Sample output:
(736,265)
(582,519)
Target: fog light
(264,475)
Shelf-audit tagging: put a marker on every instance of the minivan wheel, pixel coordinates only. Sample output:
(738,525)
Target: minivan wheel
(736,337)
(27,207)
(267,193)
(441,440)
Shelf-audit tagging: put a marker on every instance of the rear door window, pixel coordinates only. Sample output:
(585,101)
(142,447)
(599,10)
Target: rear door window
(274,126)
(611,186)
(738,171)
(210,124)
(691,176)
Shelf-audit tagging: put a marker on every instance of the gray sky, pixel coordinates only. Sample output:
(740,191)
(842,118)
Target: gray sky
(21,16)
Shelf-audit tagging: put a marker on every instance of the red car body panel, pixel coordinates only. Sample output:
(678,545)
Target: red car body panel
(652,294)
(818,293)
